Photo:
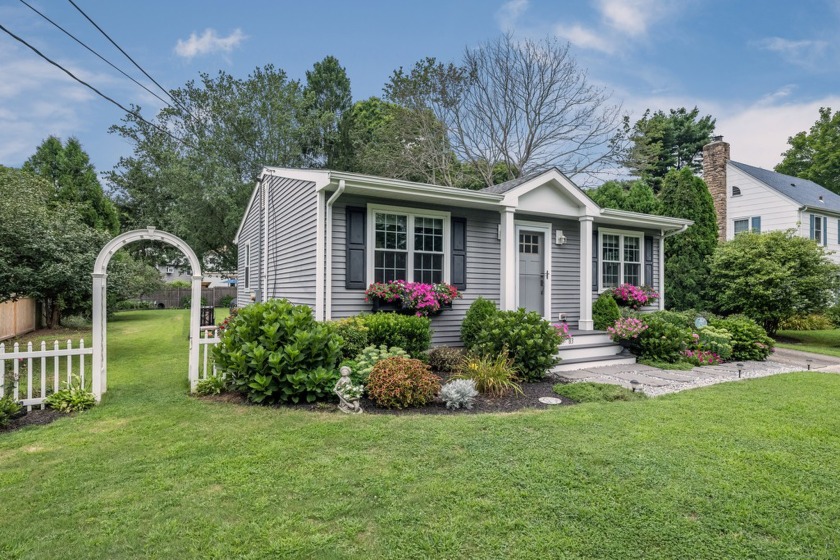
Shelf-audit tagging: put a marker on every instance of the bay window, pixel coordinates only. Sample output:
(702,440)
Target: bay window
(408,245)
(621,258)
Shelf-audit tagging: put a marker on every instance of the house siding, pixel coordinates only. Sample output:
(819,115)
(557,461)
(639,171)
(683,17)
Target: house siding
(292,217)
(483,266)
(756,199)
(250,233)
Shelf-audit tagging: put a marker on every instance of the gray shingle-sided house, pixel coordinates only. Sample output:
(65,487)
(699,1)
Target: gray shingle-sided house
(320,237)
(749,198)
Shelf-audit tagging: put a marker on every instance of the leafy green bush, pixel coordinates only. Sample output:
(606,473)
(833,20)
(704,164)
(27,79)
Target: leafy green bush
(596,392)
(493,375)
(749,340)
(605,311)
(186,302)
(833,314)
(478,313)
(179,284)
(810,322)
(398,382)
(663,340)
(75,322)
(409,332)
(212,385)
(445,359)
(530,341)
(362,366)
(275,351)
(354,336)
(715,340)
(9,409)
(71,399)
(226,301)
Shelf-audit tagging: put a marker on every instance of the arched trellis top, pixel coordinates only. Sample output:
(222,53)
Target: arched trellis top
(148,234)
(100,352)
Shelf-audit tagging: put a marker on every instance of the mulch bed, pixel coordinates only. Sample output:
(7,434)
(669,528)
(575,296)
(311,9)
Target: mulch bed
(36,417)
(509,403)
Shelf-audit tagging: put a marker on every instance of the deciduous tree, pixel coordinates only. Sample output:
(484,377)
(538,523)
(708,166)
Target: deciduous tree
(815,155)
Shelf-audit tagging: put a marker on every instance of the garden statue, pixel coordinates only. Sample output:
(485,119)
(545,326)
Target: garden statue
(348,393)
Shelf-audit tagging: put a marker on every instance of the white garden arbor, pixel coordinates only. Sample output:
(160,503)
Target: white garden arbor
(100,346)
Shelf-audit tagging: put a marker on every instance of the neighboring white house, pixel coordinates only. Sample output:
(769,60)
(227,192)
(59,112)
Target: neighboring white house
(749,198)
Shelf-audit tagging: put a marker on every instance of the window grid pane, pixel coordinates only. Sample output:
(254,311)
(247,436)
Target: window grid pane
(611,248)
(428,268)
(389,266)
(610,274)
(391,231)
(632,274)
(632,252)
(741,226)
(529,243)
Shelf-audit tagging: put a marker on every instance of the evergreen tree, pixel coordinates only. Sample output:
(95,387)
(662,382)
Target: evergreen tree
(327,103)
(68,168)
(634,196)
(686,269)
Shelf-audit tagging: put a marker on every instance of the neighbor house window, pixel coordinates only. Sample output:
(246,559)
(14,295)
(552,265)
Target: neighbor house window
(409,246)
(248,265)
(752,224)
(818,225)
(621,259)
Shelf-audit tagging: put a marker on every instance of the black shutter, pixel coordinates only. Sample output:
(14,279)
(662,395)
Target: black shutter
(594,261)
(356,263)
(459,253)
(648,279)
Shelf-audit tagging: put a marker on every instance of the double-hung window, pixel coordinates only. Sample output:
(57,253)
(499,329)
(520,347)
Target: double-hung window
(247,267)
(621,258)
(818,229)
(408,245)
(747,224)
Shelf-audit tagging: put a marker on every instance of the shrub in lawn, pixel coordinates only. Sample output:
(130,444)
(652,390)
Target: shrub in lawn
(663,340)
(605,311)
(186,302)
(749,340)
(226,301)
(493,375)
(212,385)
(833,314)
(715,340)
(275,351)
(596,392)
(71,399)
(529,340)
(459,393)
(354,336)
(75,322)
(9,409)
(362,366)
(402,382)
(478,313)
(811,322)
(409,332)
(445,358)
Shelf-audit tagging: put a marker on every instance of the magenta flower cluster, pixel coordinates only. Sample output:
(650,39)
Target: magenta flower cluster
(423,299)
(702,357)
(627,328)
(562,330)
(634,297)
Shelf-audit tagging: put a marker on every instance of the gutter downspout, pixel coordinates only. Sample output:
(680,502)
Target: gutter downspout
(328,253)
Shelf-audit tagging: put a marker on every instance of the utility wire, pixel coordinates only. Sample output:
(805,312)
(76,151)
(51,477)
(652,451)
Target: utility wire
(102,58)
(99,93)
(131,59)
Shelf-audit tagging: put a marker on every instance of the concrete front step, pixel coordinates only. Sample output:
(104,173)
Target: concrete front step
(586,363)
(581,338)
(597,350)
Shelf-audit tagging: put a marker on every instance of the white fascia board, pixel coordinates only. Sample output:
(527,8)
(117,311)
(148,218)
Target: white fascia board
(819,210)
(248,208)
(394,189)
(511,198)
(648,221)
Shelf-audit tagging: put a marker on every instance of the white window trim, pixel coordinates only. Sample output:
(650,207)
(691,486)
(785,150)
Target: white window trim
(749,220)
(545,229)
(411,213)
(823,226)
(246,281)
(622,233)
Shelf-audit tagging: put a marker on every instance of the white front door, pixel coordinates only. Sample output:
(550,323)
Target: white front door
(532,281)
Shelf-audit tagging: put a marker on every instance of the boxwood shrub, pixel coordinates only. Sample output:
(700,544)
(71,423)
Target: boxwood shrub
(275,351)
(605,311)
(409,332)
(478,313)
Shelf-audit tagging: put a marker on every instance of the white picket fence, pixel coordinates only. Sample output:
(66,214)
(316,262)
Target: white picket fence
(35,368)
(207,338)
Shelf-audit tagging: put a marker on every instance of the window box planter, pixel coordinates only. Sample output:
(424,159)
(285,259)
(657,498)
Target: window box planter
(411,298)
(379,306)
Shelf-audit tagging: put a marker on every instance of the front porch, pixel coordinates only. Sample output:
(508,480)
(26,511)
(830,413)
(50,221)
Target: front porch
(590,348)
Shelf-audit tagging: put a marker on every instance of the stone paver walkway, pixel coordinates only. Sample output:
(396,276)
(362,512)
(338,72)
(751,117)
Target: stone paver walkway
(655,381)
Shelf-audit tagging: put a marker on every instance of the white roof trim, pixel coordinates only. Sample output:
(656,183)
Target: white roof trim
(372,182)
(511,197)
(651,220)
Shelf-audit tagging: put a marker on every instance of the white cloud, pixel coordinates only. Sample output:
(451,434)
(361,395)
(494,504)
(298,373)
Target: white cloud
(208,42)
(630,17)
(585,38)
(802,53)
(508,15)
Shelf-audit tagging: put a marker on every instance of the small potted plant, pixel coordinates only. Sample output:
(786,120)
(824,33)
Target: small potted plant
(626,331)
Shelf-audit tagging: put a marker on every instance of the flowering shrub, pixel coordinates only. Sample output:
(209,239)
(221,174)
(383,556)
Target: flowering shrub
(412,334)
(422,299)
(627,328)
(634,297)
(233,313)
(749,340)
(701,357)
(562,329)
(400,382)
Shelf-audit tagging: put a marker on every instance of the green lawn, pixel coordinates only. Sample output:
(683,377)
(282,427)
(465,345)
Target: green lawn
(737,470)
(820,342)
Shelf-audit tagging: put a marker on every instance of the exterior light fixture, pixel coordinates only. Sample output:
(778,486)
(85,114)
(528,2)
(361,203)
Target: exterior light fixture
(808,361)
(559,238)
(634,385)
(740,366)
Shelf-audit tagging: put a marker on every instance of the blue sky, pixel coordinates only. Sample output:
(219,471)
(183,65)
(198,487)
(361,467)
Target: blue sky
(762,68)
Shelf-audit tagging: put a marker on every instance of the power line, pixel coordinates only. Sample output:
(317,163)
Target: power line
(129,58)
(105,60)
(99,93)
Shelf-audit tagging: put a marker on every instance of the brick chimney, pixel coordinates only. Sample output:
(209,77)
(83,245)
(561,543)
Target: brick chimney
(715,156)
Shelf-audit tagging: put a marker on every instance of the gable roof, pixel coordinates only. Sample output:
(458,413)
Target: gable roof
(803,191)
(502,188)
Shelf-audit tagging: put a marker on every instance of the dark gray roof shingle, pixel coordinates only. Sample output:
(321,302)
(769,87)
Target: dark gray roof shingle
(803,191)
(502,188)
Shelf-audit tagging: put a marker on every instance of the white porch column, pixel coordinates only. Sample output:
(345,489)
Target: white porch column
(585,323)
(661,287)
(98,381)
(507,301)
(195,323)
